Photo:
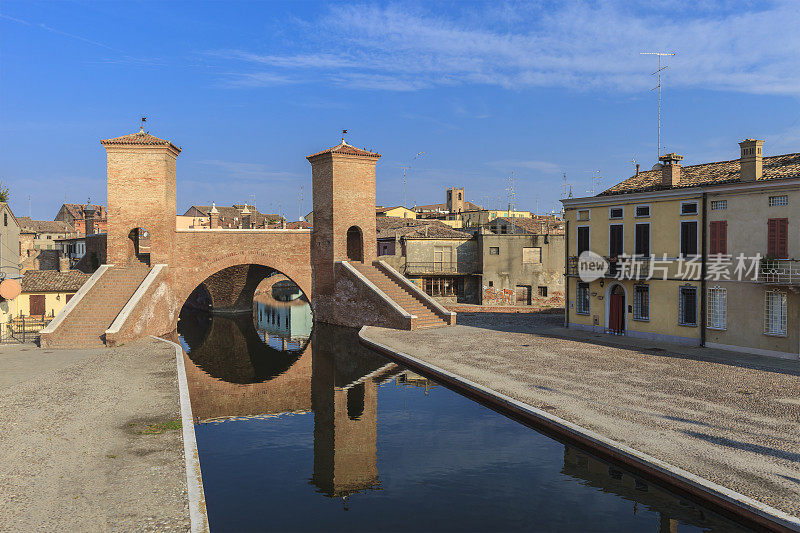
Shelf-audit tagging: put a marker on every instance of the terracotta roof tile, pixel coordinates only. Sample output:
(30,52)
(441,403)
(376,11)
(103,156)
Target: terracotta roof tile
(775,167)
(415,228)
(140,138)
(29,225)
(344,148)
(53,281)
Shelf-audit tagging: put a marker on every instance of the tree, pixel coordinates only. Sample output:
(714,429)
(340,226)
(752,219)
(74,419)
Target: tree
(5,194)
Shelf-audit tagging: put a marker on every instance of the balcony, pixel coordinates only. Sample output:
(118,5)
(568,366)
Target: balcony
(632,268)
(442,267)
(779,271)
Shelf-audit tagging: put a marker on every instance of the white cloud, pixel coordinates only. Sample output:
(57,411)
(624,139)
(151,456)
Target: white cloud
(577,45)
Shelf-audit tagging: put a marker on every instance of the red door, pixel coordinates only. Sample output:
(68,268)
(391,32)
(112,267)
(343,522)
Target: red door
(616,318)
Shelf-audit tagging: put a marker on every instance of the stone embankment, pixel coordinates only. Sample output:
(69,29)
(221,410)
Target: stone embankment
(728,418)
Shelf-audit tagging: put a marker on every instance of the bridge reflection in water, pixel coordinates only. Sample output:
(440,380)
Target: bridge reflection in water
(291,439)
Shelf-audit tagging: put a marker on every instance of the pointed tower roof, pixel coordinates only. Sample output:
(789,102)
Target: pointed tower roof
(140,138)
(344,148)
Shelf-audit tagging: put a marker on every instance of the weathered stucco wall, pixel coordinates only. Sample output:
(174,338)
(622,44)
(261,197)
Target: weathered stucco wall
(506,270)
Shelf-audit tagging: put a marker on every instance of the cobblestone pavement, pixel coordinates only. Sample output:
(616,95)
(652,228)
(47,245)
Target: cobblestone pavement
(90,440)
(729,418)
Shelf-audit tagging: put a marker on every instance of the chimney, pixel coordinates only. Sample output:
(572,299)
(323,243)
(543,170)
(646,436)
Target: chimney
(670,169)
(751,160)
(213,217)
(63,263)
(637,169)
(88,218)
(283,223)
(246,224)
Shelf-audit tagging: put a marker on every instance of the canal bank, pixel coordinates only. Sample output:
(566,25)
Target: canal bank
(90,440)
(725,423)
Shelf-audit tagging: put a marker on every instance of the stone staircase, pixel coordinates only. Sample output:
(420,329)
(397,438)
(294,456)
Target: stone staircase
(85,324)
(404,297)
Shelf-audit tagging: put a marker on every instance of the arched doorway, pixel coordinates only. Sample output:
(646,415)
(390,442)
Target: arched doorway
(616,310)
(141,245)
(355,244)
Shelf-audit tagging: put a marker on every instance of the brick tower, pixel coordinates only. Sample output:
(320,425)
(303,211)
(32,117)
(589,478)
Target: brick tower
(343,179)
(141,194)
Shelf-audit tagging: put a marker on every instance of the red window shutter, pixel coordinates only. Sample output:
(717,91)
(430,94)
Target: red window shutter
(772,237)
(714,237)
(783,239)
(778,238)
(722,237)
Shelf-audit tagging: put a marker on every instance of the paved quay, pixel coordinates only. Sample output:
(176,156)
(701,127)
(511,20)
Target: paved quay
(90,439)
(730,418)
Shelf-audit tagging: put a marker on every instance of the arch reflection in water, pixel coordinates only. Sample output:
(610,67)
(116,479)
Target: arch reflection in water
(385,441)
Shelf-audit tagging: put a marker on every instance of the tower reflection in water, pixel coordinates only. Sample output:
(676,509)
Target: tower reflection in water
(455,463)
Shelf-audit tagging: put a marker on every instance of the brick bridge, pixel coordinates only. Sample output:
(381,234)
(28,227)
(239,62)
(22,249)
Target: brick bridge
(149,276)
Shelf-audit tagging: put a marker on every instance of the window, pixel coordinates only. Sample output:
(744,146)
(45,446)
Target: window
(717,308)
(582,300)
(643,240)
(542,291)
(775,313)
(503,229)
(719,237)
(719,204)
(641,302)
(688,208)
(583,214)
(642,211)
(531,255)
(386,248)
(583,239)
(687,306)
(778,238)
(615,212)
(689,238)
(776,201)
(442,286)
(494,250)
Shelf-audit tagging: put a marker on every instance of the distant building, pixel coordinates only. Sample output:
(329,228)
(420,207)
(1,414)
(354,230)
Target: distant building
(398,211)
(40,242)
(440,260)
(46,292)
(75,216)
(237,216)
(9,243)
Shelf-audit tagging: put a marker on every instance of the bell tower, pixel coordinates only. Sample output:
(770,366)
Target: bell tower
(142,200)
(343,179)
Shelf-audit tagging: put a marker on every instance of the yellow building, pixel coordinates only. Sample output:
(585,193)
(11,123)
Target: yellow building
(397,211)
(705,254)
(44,294)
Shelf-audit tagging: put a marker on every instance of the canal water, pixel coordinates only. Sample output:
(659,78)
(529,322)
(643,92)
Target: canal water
(303,429)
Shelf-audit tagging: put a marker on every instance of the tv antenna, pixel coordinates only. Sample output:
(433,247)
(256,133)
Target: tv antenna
(595,181)
(658,72)
(565,186)
(405,168)
(512,196)
(300,213)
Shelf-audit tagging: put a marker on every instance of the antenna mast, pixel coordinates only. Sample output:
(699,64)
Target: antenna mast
(658,72)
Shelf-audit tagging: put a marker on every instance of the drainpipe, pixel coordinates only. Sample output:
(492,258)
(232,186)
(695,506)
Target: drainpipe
(703,266)
(566,271)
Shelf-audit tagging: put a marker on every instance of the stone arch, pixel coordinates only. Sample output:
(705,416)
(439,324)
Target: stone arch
(186,279)
(355,244)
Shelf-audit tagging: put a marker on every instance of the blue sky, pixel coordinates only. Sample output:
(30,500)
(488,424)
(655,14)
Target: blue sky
(484,89)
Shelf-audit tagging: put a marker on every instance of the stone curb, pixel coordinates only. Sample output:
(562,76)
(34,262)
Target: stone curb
(756,514)
(194,478)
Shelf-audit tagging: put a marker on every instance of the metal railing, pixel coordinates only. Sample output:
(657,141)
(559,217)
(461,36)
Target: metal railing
(638,268)
(779,271)
(442,267)
(23,328)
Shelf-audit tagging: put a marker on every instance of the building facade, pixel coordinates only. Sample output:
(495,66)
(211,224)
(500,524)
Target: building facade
(706,254)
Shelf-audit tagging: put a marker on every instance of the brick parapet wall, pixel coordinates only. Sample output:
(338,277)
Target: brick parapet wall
(354,304)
